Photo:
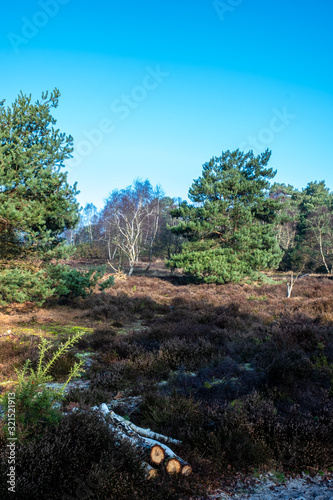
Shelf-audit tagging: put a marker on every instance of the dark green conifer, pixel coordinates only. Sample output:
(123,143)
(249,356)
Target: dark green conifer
(230,227)
(36,202)
(36,205)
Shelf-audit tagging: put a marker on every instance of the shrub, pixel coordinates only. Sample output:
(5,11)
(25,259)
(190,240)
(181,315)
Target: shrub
(13,354)
(38,285)
(300,438)
(178,352)
(121,307)
(113,379)
(34,401)
(72,283)
(21,285)
(289,366)
(100,338)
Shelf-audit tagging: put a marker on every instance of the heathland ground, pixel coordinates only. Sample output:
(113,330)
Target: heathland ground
(240,374)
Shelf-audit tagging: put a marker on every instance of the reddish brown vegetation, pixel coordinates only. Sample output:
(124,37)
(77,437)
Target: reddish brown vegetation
(241,375)
(259,365)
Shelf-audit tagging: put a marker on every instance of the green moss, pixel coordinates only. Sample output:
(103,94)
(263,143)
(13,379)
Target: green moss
(63,330)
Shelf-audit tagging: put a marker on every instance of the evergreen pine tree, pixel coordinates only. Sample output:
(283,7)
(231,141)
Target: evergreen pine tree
(314,241)
(36,205)
(36,202)
(230,227)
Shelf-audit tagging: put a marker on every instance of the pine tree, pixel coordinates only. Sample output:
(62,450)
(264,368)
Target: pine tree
(36,205)
(36,202)
(287,220)
(230,227)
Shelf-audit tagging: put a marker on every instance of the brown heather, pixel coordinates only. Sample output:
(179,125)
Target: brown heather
(240,374)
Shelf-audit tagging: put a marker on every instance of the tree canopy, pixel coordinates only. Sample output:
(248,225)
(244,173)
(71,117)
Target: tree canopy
(36,202)
(230,227)
(236,225)
(314,240)
(36,205)
(130,220)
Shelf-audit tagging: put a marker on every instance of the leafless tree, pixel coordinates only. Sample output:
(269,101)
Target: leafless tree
(293,279)
(89,218)
(130,220)
(319,226)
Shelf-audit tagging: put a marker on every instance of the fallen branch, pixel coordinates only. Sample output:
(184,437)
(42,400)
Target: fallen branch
(139,430)
(147,441)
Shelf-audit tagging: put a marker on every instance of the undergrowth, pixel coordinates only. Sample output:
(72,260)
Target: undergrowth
(241,375)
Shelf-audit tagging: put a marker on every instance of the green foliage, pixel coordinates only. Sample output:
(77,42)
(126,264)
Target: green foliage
(38,285)
(73,283)
(287,220)
(36,206)
(36,202)
(21,285)
(230,229)
(34,401)
(311,239)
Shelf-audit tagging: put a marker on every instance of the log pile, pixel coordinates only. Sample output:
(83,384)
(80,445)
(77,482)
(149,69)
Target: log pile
(149,443)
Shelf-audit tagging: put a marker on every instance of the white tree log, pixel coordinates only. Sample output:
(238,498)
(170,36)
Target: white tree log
(139,430)
(148,441)
(151,473)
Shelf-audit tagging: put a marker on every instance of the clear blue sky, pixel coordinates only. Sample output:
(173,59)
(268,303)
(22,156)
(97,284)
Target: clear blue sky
(154,89)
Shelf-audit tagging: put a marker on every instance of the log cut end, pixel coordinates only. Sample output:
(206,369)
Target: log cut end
(186,470)
(173,466)
(157,454)
(151,473)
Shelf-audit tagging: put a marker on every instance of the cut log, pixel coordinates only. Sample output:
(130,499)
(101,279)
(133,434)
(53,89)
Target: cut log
(177,464)
(157,454)
(145,441)
(139,430)
(173,466)
(151,473)
(186,470)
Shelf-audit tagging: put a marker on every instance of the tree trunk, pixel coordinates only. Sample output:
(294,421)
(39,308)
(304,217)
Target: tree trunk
(150,256)
(322,253)
(109,250)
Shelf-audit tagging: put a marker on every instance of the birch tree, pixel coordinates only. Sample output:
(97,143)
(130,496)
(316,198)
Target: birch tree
(130,220)
(319,226)
(315,231)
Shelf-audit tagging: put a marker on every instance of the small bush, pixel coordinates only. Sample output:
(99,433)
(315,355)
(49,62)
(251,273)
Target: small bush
(72,283)
(32,400)
(178,352)
(101,338)
(22,285)
(288,367)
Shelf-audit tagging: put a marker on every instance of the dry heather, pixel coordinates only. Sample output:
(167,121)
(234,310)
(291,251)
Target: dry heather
(241,375)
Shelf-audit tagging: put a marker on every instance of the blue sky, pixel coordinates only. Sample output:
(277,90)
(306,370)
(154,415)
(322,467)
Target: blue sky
(155,89)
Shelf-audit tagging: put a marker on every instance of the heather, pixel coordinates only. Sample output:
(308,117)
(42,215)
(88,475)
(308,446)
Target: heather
(240,374)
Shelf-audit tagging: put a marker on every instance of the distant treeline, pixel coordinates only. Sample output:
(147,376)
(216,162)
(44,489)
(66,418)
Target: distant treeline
(238,222)
(237,226)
